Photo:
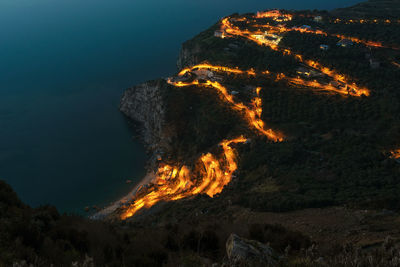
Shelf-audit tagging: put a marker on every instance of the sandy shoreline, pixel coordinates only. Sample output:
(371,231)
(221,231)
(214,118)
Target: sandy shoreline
(115,205)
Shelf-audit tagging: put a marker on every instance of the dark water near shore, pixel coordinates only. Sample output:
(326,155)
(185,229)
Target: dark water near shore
(63,67)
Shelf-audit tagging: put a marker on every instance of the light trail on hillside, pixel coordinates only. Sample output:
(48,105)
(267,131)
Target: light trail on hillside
(283,29)
(366,21)
(211,174)
(345,90)
(252,114)
(232,30)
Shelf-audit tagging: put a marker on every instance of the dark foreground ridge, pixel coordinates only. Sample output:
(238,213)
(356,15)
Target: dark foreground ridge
(276,144)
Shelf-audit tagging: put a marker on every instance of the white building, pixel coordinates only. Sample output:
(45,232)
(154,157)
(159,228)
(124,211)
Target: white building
(318,19)
(219,34)
(203,74)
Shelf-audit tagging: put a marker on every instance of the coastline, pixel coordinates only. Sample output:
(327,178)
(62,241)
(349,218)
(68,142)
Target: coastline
(106,211)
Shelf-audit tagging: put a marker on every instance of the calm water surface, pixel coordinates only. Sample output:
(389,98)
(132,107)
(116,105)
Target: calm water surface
(63,67)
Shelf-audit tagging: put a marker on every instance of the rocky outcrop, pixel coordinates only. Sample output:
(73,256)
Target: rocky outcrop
(188,56)
(243,252)
(144,103)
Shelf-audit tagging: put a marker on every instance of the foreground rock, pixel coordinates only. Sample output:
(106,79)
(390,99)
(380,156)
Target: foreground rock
(243,252)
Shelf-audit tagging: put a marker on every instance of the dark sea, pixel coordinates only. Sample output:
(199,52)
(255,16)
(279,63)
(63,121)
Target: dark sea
(63,67)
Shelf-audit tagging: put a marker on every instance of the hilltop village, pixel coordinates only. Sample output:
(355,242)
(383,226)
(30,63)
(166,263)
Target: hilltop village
(276,143)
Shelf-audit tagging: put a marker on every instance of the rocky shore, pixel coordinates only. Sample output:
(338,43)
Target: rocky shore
(145,104)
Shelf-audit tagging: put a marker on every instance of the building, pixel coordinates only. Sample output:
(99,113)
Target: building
(282,18)
(324,47)
(259,37)
(216,78)
(308,73)
(345,43)
(272,37)
(219,34)
(303,71)
(318,19)
(203,73)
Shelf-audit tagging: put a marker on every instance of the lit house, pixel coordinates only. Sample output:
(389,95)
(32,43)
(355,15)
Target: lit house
(259,37)
(318,19)
(309,73)
(219,34)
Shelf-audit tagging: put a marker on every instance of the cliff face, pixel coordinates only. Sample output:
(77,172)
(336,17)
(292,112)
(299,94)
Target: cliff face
(188,56)
(144,103)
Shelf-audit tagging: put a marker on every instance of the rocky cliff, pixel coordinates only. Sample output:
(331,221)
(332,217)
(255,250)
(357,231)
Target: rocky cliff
(144,103)
(189,55)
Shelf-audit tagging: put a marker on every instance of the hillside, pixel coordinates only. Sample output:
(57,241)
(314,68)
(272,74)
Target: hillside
(376,8)
(277,143)
(313,98)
